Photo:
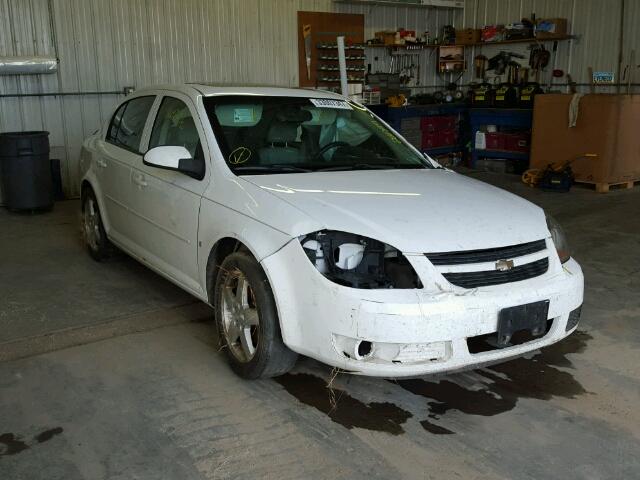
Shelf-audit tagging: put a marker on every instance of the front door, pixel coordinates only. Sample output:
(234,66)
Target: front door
(167,203)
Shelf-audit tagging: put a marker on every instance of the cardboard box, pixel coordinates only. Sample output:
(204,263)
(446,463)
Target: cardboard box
(386,37)
(552,28)
(607,126)
(468,36)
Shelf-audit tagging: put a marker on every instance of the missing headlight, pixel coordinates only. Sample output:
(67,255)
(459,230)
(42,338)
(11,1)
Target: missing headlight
(359,262)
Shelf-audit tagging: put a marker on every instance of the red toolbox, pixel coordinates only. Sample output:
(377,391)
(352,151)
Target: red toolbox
(517,142)
(495,141)
(447,137)
(430,124)
(437,123)
(448,122)
(430,140)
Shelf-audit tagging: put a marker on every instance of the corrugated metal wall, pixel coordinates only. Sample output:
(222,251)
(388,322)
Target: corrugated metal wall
(421,20)
(595,22)
(105,45)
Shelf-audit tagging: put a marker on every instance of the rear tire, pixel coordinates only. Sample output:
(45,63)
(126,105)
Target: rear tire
(95,237)
(247,320)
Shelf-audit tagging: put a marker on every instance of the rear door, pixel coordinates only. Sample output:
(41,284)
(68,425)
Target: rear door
(167,203)
(117,153)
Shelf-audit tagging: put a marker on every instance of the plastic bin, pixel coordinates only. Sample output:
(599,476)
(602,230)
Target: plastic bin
(25,170)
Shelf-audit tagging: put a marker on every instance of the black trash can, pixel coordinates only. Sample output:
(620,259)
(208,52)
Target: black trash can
(25,170)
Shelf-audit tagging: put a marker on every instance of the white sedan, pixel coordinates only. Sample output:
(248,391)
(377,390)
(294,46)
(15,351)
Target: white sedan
(313,228)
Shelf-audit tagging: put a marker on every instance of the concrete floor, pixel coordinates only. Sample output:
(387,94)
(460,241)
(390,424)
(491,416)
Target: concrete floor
(163,404)
(53,294)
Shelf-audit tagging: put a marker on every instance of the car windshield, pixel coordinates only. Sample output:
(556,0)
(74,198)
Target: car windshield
(264,135)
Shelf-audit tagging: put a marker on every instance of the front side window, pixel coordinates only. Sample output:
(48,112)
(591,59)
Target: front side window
(263,134)
(174,126)
(127,125)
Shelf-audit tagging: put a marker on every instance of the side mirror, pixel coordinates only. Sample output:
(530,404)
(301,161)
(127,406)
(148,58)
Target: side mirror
(174,158)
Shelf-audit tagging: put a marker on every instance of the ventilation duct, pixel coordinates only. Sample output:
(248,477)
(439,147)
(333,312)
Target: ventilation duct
(27,65)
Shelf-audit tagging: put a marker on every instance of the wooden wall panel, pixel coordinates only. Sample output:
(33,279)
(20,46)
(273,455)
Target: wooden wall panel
(325,27)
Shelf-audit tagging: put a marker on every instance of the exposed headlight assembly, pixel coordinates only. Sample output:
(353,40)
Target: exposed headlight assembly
(359,262)
(559,239)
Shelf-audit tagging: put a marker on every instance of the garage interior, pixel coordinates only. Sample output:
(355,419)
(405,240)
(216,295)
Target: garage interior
(111,371)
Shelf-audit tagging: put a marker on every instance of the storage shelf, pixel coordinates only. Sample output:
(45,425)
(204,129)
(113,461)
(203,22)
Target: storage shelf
(338,81)
(444,150)
(518,118)
(501,154)
(455,4)
(419,47)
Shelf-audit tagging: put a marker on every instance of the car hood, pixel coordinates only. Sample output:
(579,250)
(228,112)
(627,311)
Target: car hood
(416,211)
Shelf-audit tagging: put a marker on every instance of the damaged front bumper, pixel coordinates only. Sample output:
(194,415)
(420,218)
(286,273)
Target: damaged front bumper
(409,332)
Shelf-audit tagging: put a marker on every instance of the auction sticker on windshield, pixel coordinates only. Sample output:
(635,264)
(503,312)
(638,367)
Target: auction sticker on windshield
(329,103)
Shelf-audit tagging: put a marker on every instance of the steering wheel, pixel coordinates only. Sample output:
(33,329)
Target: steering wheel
(327,147)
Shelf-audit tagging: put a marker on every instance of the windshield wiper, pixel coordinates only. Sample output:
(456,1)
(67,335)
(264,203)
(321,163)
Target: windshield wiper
(276,168)
(368,166)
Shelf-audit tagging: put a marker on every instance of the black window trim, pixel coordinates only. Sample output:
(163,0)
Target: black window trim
(126,105)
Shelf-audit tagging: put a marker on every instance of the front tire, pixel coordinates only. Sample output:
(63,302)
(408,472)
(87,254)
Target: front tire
(247,320)
(92,228)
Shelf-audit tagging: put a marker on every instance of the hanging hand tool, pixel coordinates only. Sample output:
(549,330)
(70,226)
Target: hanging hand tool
(306,34)
(555,57)
(572,84)
(629,69)
(538,59)
(592,85)
(480,63)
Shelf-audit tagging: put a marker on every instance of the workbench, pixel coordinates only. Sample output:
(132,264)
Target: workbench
(394,116)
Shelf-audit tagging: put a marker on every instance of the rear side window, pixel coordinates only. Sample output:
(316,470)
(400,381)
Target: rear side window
(128,123)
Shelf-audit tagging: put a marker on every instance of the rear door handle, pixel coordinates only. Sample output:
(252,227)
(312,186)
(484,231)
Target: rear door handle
(139,180)
(101,163)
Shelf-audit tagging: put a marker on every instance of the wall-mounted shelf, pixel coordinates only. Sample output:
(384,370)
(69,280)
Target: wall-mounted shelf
(415,3)
(418,47)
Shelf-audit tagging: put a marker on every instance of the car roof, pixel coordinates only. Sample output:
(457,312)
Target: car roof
(210,89)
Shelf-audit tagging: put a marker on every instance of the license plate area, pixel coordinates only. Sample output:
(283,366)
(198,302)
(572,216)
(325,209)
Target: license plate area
(531,318)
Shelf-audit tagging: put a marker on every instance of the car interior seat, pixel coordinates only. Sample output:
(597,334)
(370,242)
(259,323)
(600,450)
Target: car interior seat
(282,144)
(184,134)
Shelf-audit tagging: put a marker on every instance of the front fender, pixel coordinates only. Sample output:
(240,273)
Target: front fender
(218,221)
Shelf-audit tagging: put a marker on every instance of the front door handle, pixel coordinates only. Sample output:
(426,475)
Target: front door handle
(139,180)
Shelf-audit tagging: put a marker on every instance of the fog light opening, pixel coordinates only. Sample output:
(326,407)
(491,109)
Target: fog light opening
(364,349)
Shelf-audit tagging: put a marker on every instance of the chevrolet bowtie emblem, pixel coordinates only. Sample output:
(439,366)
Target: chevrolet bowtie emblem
(504,265)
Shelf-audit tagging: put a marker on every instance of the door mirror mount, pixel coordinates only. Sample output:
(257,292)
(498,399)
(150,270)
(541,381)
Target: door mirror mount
(174,158)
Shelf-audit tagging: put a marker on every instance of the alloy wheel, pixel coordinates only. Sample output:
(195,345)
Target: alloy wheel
(91,224)
(240,316)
